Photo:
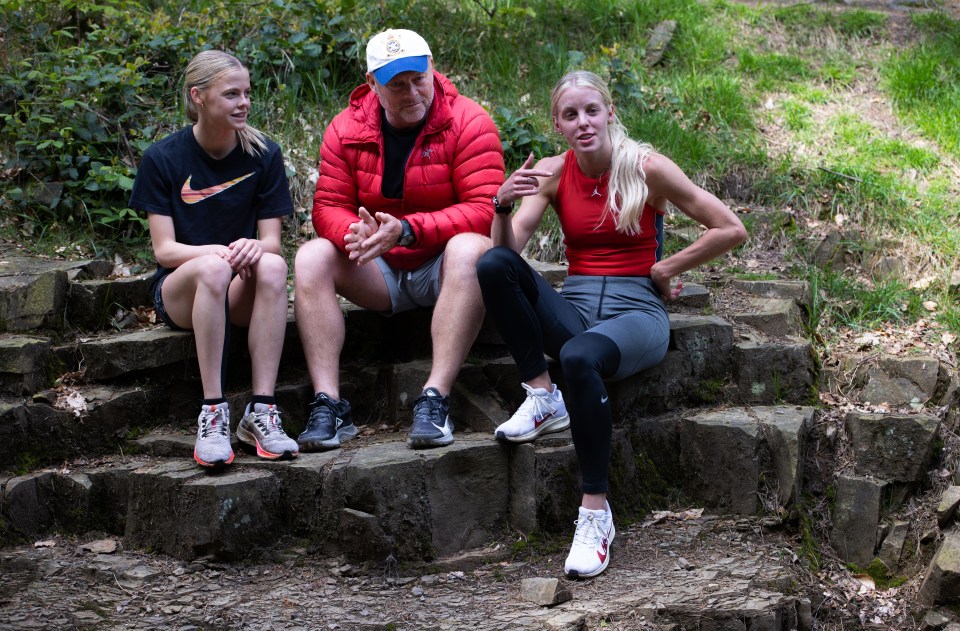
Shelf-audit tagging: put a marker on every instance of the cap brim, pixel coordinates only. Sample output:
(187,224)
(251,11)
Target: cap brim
(419,63)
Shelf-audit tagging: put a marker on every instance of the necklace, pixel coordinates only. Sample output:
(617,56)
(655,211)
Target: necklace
(596,187)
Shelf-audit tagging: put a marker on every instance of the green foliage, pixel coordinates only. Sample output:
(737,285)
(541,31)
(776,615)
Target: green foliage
(809,546)
(854,23)
(520,138)
(924,80)
(858,306)
(772,69)
(87,88)
(879,573)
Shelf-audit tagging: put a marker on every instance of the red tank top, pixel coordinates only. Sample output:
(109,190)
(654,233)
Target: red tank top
(595,248)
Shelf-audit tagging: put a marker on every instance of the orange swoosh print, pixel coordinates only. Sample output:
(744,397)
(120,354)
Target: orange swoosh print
(191,196)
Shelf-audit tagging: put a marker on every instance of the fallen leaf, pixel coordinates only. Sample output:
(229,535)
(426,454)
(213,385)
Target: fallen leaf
(100,546)
(929,305)
(948,338)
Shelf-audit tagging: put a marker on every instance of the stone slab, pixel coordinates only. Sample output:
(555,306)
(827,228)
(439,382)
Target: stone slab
(133,352)
(92,303)
(776,317)
(893,447)
(856,515)
(719,454)
(770,372)
(941,583)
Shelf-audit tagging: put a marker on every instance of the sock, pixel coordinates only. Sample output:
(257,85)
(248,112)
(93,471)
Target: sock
(216,401)
(262,398)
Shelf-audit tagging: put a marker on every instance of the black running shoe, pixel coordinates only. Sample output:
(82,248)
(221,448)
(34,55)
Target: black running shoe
(432,426)
(329,424)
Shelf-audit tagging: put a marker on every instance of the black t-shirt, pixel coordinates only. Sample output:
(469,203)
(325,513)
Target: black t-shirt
(397,145)
(210,200)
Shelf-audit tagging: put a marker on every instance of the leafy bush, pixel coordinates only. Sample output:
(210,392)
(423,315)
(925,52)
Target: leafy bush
(520,137)
(86,87)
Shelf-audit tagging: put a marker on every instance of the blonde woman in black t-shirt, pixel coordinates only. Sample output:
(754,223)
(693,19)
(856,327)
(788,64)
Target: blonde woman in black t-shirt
(215,193)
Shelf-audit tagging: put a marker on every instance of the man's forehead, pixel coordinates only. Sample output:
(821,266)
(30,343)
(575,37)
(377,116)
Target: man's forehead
(407,75)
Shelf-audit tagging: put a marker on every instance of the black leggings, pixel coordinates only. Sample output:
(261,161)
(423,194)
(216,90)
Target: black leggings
(592,339)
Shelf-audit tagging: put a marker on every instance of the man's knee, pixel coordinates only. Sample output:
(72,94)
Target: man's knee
(466,248)
(315,258)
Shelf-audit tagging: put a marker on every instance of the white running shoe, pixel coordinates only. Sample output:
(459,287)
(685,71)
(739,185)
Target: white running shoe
(541,413)
(590,552)
(212,448)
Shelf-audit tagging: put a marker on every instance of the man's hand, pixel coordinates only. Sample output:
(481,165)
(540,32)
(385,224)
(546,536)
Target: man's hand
(371,237)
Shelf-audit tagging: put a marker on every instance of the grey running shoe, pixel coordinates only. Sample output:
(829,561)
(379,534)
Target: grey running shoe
(329,424)
(432,426)
(213,448)
(261,428)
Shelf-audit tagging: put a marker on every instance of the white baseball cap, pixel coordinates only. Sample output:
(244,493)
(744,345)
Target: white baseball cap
(394,51)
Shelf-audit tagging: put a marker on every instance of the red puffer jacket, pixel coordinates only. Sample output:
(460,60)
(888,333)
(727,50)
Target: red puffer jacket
(453,172)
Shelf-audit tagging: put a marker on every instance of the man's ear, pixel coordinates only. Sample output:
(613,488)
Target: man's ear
(371,81)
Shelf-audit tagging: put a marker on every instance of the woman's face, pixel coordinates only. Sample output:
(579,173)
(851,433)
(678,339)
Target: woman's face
(226,103)
(582,118)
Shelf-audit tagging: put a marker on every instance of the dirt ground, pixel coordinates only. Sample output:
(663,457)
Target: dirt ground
(675,570)
(661,571)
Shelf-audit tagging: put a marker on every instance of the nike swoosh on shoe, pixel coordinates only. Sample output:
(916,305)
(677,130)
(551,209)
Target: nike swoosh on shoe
(537,422)
(603,555)
(445,430)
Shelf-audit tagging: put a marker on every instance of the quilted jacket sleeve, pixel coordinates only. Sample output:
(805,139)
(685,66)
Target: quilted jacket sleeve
(335,200)
(476,175)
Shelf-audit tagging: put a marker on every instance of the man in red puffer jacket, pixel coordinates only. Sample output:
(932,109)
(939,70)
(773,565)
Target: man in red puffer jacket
(408,172)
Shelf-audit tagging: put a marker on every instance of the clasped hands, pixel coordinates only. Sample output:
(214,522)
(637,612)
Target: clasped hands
(242,255)
(372,236)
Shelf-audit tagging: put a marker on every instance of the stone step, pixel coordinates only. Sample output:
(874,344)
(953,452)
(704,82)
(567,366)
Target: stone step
(703,366)
(375,497)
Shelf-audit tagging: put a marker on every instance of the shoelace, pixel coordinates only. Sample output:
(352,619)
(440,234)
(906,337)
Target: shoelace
(209,425)
(316,420)
(533,406)
(434,403)
(272,419)
(587,532)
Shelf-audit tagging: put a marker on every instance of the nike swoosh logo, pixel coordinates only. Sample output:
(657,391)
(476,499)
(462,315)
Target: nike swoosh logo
(445,430)
(603,555)
(537,422)
(603,399)
(191,196)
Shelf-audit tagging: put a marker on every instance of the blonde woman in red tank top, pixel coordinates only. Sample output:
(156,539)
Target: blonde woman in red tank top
(609,320)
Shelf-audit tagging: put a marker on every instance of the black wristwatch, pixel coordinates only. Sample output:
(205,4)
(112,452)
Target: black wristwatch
(500,209)
(407,238)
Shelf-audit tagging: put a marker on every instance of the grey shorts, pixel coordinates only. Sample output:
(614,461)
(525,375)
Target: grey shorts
(410,289)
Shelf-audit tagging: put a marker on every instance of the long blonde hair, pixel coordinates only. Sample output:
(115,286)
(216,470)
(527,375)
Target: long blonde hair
(203,71)
(627,188)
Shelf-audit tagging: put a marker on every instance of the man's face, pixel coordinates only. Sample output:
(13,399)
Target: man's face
(406,98)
